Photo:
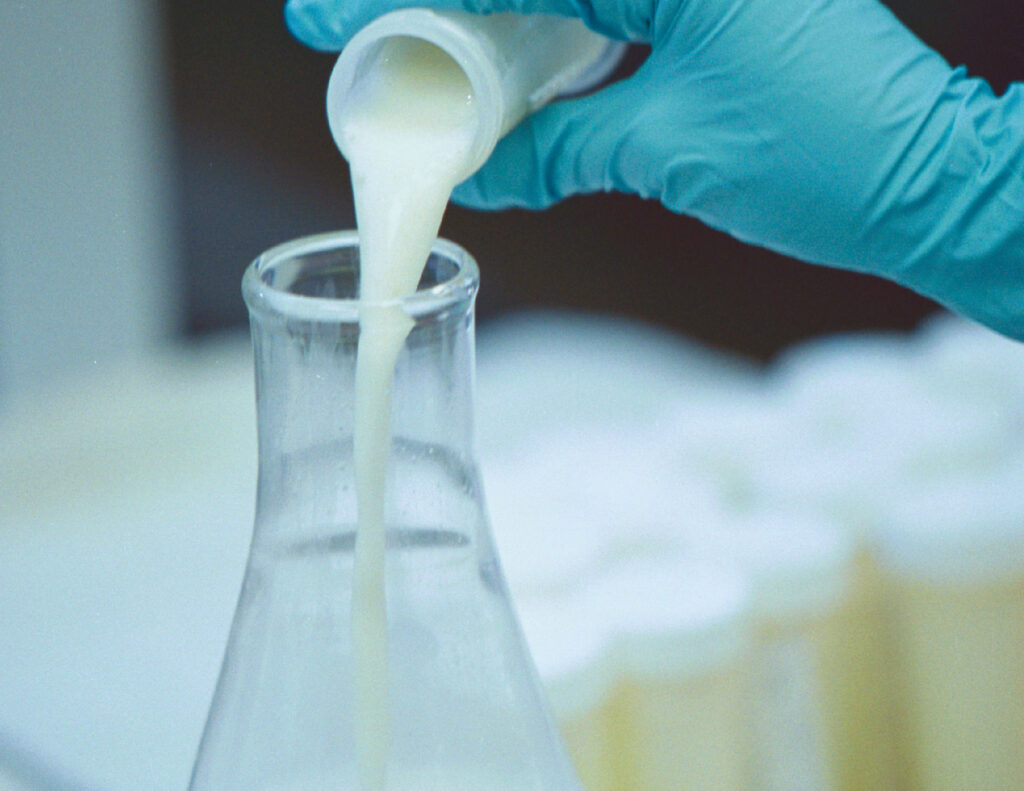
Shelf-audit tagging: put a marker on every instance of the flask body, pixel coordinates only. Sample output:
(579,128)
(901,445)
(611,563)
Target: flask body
(463,706)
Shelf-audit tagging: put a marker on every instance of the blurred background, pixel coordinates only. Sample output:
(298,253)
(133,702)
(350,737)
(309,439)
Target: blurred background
(150,150)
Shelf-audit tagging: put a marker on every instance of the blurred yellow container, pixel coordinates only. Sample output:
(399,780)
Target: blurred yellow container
(954,556)
(681,644)
(685,733)
(857,684)
(961,660)
(816,697)
(569,643)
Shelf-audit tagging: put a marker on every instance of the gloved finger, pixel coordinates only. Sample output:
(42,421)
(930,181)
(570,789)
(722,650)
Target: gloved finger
(590,144)
(329,24)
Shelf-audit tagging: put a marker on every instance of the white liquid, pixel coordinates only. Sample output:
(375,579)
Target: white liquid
(407,136)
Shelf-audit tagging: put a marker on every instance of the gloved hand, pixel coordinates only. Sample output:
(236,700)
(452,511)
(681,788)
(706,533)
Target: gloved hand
(822,129)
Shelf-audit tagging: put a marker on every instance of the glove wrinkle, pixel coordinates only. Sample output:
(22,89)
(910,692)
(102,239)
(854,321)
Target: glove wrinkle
(688,29)
(625,20)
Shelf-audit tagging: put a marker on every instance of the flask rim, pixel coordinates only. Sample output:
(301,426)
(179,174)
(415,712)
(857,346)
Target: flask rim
(264,298)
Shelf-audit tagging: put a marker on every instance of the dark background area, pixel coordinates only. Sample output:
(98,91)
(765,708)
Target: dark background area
(256,166)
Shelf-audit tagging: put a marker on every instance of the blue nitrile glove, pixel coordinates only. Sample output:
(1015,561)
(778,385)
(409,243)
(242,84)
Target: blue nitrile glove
(822,129)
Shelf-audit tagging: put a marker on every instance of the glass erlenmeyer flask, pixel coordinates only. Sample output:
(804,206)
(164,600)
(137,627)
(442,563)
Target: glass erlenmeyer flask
(464,705)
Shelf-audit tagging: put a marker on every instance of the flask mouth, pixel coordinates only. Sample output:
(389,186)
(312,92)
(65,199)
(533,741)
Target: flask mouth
(316,278)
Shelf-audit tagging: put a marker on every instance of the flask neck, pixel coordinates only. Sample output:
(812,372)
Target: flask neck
(305,324)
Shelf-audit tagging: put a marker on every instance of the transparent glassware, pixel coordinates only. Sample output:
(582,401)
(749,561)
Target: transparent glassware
(465,706)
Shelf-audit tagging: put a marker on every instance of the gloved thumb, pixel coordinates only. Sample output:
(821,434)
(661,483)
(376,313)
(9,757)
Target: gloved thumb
(570,147)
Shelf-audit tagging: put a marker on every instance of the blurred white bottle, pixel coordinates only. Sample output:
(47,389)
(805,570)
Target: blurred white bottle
(953,552)
(680,649)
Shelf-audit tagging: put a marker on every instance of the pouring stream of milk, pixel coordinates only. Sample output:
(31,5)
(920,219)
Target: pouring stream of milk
(407,135)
